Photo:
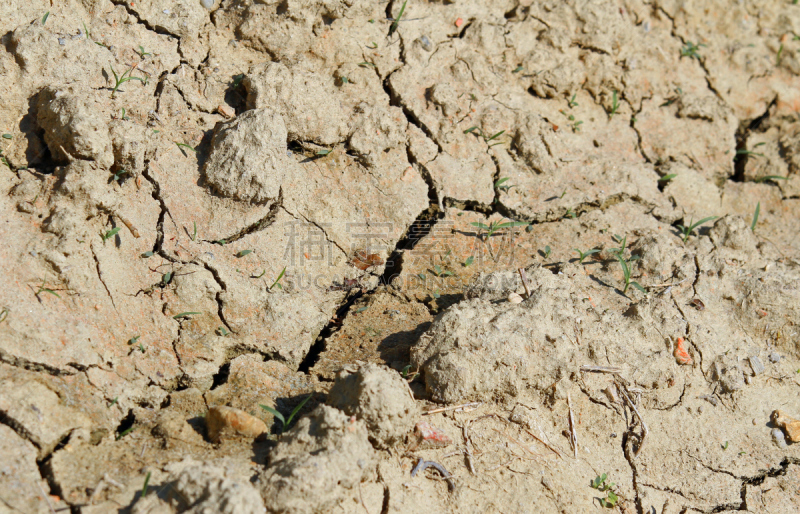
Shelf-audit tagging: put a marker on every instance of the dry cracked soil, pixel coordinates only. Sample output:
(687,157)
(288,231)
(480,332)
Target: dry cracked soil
(405,256)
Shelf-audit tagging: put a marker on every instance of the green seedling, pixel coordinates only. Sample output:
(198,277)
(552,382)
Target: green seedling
(141,347)
(147,255)
(277,280)
(421,276)
(44,20)
(221,242)
(496,225)
(517,69)
(361,309)
(261,275)
(469,261)
(124,433)
(113,402)
(572,103)
(439,272)
(547,251)
(237,80)
(687,231)
(770,177)
(125,77)
(181,146)
(583,255)
(500,186)
(576,127)
(345,80)
(7,136)
(194,233)
(142,53)
(146,481)
(284,421)
(4,314)
(185,314)
(243,253)
(393,27)
(324,152)
(373,45)
(755,217)
(691,50)
(614,104)
(124,117)
(725,446)
(223,331)
(166,278)
(132,340)
(118,175)
(110,233)
(777,57)
(486,138)
(667,178)
(405,371)
(745,151)
(626,274)
(366,64)
(570,213)
(611,499)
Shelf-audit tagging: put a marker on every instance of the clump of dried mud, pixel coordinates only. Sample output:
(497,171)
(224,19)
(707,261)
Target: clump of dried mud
(242,279)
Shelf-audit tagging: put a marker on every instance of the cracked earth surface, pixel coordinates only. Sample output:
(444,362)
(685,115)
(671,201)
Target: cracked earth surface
(289,192)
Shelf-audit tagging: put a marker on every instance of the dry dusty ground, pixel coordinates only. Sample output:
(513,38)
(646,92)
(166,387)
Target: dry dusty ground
(288,189)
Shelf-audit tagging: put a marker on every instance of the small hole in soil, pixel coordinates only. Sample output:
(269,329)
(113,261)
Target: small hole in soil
(221,376)
(126,423)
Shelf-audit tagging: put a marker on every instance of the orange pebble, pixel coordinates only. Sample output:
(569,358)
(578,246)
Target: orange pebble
(681,355)
(459,22)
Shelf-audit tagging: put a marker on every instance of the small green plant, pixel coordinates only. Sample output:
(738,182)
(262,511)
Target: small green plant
(744,151)
(755,217)
(132,340)
(366,64)
(547,251)
(501,186)
(285,422)
(583,255)
(146,482)
(324,152)
(194,233)
(778,57)
(113,402)
(626,274)
(181,146)
(667,178)
(725,446)
(166,278)
(691,50)
(469,261)
(7,136)
(237,80)
(405,371)
(495,226)
(124,433)
(147,255)
(486,137)
(518,69)
(44,20)
(393,27)
(185,314)
(121,79)
(571,214)
(611,499)
(687,231)
(110,233)
(614,104)
(242,253)
(223,331)
(124,117)
(118,175)
(4,314)
(770,177)
(572,102)
(440,272)
(142,53)
(277,280)
(43,289)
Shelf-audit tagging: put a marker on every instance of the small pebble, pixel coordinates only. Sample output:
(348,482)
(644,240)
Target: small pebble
(61,41)
(775,357)
(701,408)
(426,43)
(748,380)
(208,4)
(778,437)
(755,364)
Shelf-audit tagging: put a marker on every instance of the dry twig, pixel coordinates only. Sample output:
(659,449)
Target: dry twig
(573,432)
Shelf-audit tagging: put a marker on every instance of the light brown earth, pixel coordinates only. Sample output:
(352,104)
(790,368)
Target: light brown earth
(289,190)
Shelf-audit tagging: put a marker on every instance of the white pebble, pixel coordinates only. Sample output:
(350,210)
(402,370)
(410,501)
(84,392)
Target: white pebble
(208,4)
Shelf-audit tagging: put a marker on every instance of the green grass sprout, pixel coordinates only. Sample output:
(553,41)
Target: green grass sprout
(547,251)
(755,217)
(277,280)
(495,226)
(611,499)
(691,50)
(769,177)
(194,234)
(243,253)
(4,314)
(146,481)
(125,432)
(132,340)
(285,422)
(469,261)
(125,77)
(687,231)
(572,102)
(501,186)
(185,314)
(7,136)
(181,146)
(44,20)
(142,53)
(393,27)
(147,255)
(324,152)
(667,178)
(111,233)
(614,104)
(440,272)
(583,255)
